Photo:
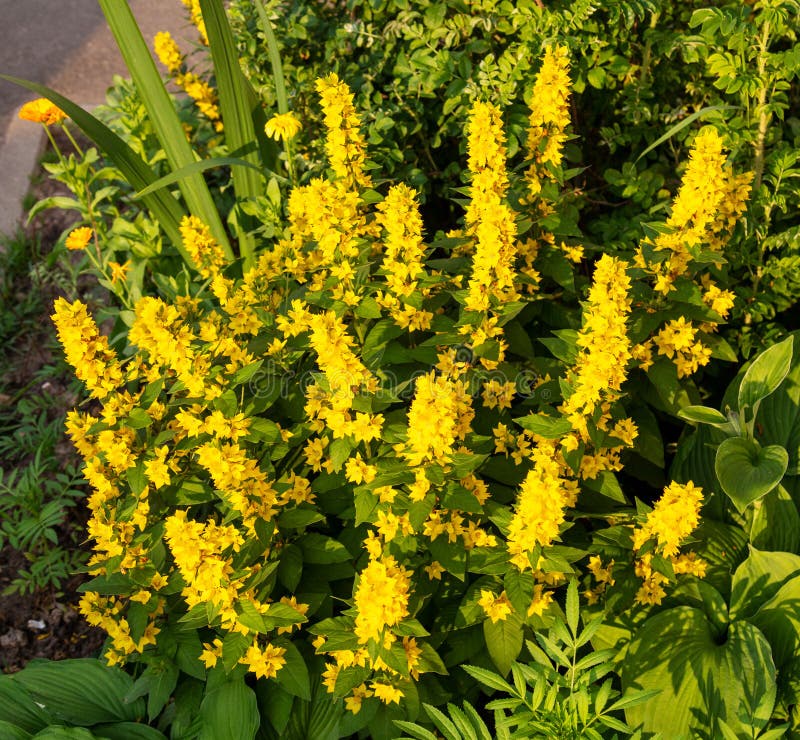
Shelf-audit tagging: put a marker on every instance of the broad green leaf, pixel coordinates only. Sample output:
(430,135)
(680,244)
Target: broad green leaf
(13,732)
(127,731)
(606,483)
(82,691)
(504,640)
(765,374)
(723,547)
(230,712)
(747,471)
(293,677)
(18,707)
(60,732)
(779,416)
(759,578)
(779,620)
(136,171)
(318,718)
(776,523)
(676,652)
(320,550)
(163,115)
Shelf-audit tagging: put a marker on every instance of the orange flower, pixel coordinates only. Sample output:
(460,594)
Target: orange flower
(43,111)
(79,238)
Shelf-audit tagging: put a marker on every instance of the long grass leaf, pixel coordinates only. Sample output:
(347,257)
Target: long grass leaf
(682,125)
(274,59)
(236,111)
(162,114)
(134,169)
(199,166)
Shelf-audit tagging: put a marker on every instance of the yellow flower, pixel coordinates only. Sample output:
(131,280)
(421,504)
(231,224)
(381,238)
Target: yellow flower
(440,414)
(204,250)
(381,598)
(549,116)
(540,601)
(434,570)
(386,692)
(211,653)
(283,126)
(79,238)
(497,608)
(43,111)
(168,52)
(118,271)
(345,145)
(264,662)
(604,347)
(673,518)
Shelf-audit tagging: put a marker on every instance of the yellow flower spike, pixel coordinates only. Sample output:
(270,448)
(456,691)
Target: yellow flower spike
(345,145)
(549,115)
(673,518)
(42,111)
(283,126)
(381,598)
(168,52)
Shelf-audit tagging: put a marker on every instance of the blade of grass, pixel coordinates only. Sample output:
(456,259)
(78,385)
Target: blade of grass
(682,125)
(163,115)
(236,112)
(274,59)
(134,169)
(201,166)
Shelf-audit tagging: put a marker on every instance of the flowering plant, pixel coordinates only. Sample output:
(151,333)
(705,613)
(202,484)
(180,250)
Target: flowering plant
(333,461)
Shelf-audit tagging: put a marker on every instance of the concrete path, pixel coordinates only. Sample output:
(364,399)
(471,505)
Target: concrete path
(66,45)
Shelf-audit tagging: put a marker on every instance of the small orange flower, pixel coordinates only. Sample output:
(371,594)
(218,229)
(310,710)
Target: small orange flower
(79,238)
(43,111)
(118,271)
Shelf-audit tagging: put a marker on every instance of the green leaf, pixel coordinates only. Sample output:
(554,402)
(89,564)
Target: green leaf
(677,653)
(759,578)
(13,732)
(163,115)
(200,166)
(682,125)
(136,171)
(293,676)
(702,415)
(320,550)
(746,471)
(127,731)
(776,523)
(779,620)
(18,707)
(607,484)
(489,679)
(549,427)
(81,691)
(504,640)
(779,417)
(236,102)
(765,374)
(230,712)
(274,58)
(573,606)
(290,568)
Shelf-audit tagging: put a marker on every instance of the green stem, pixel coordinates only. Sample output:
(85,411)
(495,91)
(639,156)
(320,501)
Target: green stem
(763,119)
(74,143)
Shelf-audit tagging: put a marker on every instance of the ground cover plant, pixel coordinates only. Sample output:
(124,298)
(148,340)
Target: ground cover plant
(359,473)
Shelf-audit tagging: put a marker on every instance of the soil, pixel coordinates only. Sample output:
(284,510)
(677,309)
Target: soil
(45,623)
